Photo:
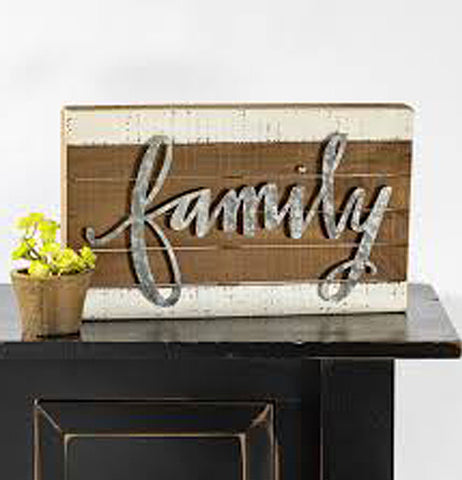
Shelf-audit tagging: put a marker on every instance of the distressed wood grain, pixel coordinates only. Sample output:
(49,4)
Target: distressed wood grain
(228,147)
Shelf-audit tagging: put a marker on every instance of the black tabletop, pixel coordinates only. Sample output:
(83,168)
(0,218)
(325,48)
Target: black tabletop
(424,331)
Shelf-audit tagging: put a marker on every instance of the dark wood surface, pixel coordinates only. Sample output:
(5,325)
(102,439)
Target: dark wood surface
(292,386)
(332,419)
(425,331)
(213,439)
(357,416)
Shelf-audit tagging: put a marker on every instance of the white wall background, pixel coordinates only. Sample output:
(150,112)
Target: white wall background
(56,52)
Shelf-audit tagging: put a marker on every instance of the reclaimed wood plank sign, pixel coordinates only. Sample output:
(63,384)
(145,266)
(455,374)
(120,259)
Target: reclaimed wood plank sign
(219,210)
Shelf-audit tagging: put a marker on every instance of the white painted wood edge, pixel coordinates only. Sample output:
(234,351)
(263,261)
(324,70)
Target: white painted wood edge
(250,300)
(130,125)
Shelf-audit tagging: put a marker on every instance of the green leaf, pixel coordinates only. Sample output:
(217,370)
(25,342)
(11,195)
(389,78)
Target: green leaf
(29,221)
(49,252)
(30,242)
(48,229)
(20,252)
(50,248)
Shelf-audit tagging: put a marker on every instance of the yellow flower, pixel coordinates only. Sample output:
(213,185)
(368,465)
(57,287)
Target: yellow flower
(47,256)
(88,256)
(67,261)
(38,269)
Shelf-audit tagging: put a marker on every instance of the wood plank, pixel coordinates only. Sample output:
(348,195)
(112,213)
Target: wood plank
(112,201)
(236,123)
(116,196)
(394,230)
(240,159)
(250,265)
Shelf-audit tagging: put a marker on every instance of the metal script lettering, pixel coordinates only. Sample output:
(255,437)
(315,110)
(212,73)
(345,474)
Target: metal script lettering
(195,209)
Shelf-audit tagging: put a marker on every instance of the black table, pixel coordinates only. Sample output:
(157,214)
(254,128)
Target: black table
(305,397)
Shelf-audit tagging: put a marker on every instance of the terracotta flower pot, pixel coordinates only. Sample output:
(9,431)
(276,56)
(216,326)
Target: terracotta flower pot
(51,306)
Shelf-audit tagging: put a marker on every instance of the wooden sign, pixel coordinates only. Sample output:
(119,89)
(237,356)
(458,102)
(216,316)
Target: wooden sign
(240,209)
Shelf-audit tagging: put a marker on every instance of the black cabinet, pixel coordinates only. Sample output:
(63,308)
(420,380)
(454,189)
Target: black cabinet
(270,398)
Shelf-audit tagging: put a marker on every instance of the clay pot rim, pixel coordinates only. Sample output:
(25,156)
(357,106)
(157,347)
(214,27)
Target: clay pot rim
(54,278)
